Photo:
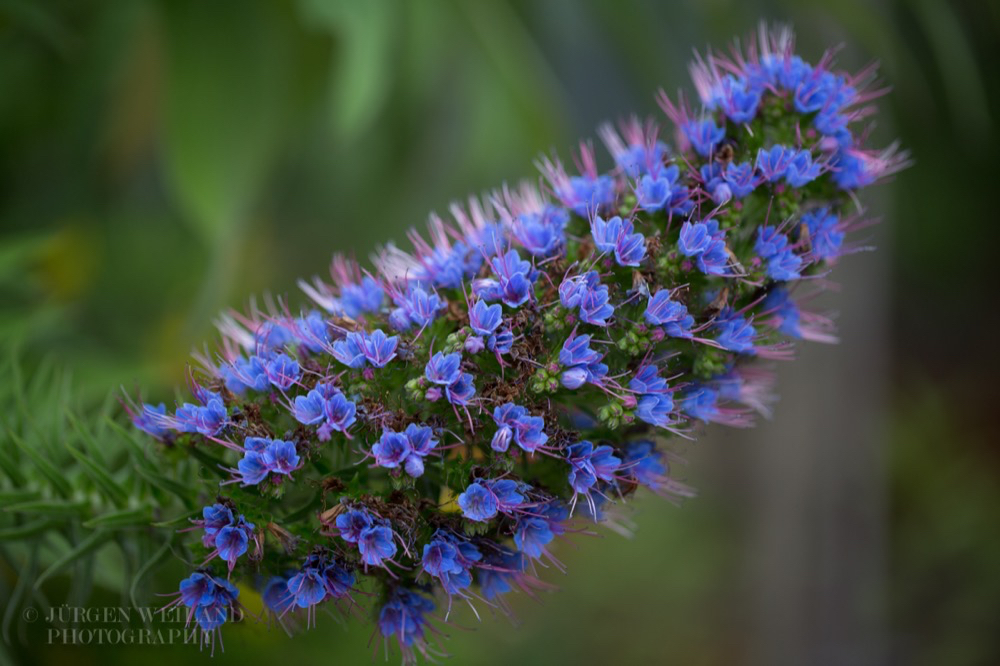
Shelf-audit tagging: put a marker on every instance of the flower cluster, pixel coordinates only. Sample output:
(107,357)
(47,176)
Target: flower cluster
(544,346)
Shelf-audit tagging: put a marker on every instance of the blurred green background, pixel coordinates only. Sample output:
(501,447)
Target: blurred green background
(162,161)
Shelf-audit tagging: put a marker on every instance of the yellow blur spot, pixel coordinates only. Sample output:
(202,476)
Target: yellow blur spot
(68,263)
(448,502)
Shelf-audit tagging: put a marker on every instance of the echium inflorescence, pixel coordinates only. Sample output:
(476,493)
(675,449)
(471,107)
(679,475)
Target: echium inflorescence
(436,423)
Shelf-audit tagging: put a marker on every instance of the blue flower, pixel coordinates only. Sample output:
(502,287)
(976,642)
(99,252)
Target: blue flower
(741,178)
(352,523)
(416,307)
(308,409)
(825,237)
(420,438)
(339,413)
(588,464)
(605,233)
(253,468)
(576,351)
(152,420)
(198,589)
(313,332)
(349,350)
(701,403)
(440,557)
(594,306)
(514,422)
(478,503)
(513,285)
(661,310)
(645,464)
(378,348)
(739,99)
(630,248)
(508,493)
(206,420)
(770,242)
(586,194)
(714,184)
(653,194)
(784,309)
(282,371)
(784,266)
(655,409)
(736,334)
(243,374)
(541,234)
(281,457)
(773,164)
(357,299)
(648,380)
(443,369)
(403,616)
(337,580)
(705,242)
(694,239)
(210,599)
(277,597)
(484,319)
(782,263)
(231,542)
(462,391)
(307,587)
(615,235)
(215,517)
(376,544)
(703,135)
(391,450)
(532,535)
(801,169)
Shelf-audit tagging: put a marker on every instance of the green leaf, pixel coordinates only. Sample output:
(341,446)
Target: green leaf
(92,542)
(139,452)
(9,466)
(149,566)
(26,530)
(226,107)
(360,78)
(211,462)
(13,495)
(105,484)
(178,520)
(138,517)
(57,479)
(50,507)
(169,485)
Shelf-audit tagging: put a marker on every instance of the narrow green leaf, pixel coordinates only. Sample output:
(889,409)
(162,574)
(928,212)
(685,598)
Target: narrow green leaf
(26,530)
(95,452)
(10,468)
(211,462)
(93,541)
(149,566)
(179,519)
(139,453)
(169,485)
(49,507)
(138,517)
(25,573)
(56,478)
(12,495)
(107,485)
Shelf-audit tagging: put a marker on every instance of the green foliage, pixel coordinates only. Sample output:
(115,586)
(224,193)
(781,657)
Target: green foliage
(81,496)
